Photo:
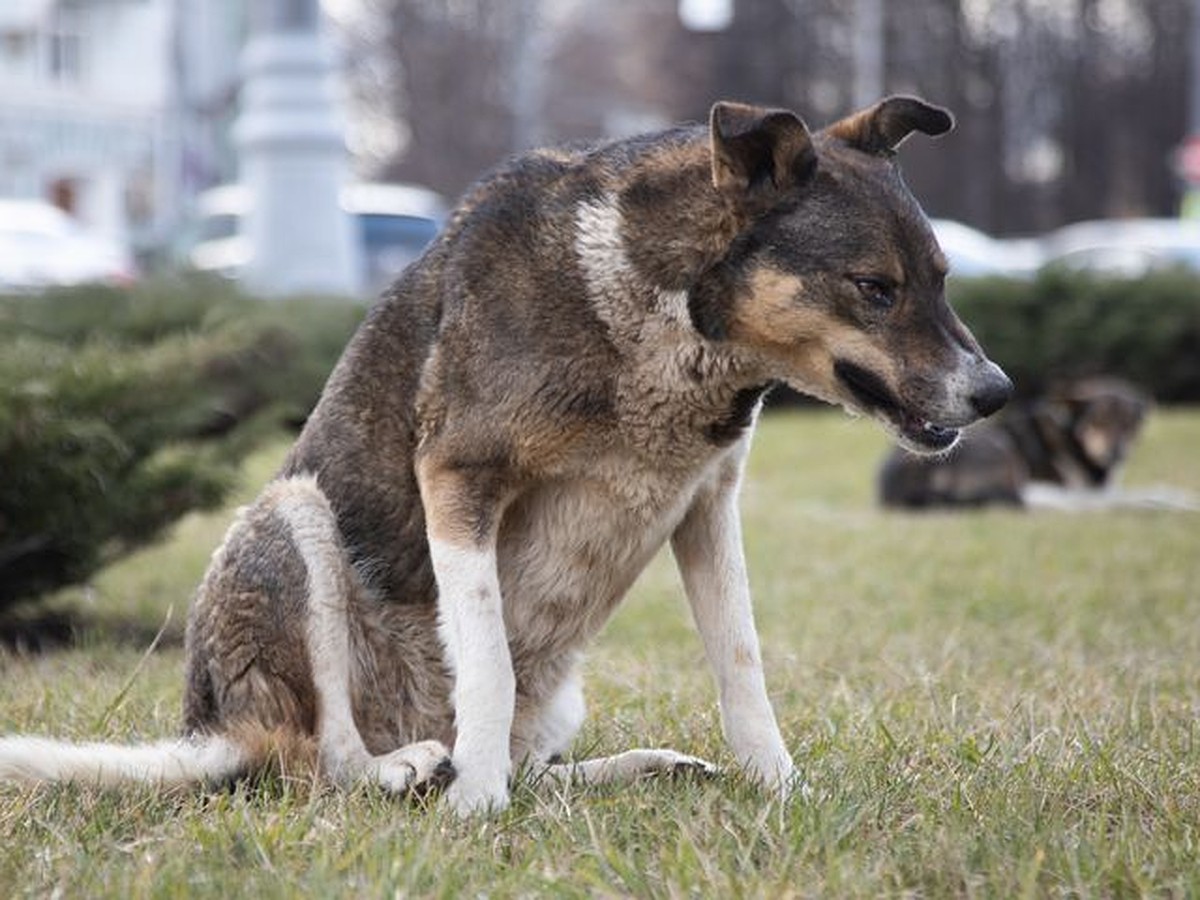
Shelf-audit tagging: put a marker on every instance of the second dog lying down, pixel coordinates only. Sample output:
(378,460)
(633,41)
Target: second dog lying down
(1062,451)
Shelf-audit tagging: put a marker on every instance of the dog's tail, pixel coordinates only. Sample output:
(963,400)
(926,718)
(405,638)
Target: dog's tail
(208,759)
(212,758)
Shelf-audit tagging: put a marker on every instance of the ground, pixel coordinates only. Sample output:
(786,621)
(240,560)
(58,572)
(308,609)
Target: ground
(997,703)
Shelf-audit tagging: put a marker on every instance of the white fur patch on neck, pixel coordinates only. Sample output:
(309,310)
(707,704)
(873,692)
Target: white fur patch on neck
(599,243)
(620,297)
(600,247)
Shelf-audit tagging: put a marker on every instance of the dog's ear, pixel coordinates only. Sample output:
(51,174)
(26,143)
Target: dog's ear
(884,126)
(753,147)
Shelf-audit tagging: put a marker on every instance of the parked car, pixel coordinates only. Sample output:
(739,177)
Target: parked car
(394,223)
(1125,247)
(41,246)
(972,253)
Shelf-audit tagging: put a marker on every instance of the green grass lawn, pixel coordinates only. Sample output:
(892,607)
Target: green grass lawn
(996,704)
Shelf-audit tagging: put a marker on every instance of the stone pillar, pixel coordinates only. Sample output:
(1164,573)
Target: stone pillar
(292,156)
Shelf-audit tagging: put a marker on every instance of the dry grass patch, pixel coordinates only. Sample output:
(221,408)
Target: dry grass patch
(995,704)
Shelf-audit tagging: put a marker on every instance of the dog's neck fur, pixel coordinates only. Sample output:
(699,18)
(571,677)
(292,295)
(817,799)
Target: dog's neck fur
(677,225)
(673,229)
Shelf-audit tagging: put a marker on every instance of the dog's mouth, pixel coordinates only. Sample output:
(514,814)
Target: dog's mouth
(870,392)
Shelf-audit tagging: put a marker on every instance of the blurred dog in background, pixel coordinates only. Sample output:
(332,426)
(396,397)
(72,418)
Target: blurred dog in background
(1063,450)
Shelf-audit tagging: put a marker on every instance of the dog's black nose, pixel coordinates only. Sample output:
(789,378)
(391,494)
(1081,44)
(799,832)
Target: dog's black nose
(994,391)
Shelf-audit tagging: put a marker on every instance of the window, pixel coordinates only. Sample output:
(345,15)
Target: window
(62,57)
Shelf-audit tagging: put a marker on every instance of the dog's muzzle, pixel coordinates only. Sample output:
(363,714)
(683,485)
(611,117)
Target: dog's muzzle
(916,429)
(993,390)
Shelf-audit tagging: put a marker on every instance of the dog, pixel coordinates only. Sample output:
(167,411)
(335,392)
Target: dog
(567,379)
(1062,450)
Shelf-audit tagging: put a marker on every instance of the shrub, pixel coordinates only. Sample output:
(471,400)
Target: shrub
(121,410)
(1066,324)
(275,353)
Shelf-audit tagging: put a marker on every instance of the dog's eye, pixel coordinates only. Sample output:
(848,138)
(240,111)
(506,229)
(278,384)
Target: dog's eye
(876,291)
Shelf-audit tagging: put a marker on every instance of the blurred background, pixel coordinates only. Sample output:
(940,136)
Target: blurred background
(167,164)
(122,113)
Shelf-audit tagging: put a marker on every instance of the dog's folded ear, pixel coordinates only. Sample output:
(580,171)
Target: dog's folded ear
(884,126)
(753,147)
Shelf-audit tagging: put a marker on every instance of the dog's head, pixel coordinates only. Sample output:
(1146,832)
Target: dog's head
(1103,416)
(837,283)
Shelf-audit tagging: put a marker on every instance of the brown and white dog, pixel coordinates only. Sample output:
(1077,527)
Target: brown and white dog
(567,379)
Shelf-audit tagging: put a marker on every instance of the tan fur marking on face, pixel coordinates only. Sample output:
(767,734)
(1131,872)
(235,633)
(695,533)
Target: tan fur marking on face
(1097,443)
(771,317)
(769,314)
(846,343)
(890,267)
(804,339)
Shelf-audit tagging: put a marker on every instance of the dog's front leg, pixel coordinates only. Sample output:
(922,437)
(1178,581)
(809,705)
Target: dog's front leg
(708,550)
(461,521)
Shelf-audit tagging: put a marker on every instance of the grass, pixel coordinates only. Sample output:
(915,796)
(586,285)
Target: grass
(995,704)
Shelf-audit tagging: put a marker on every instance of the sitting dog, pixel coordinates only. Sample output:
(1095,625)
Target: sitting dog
(567,379)
(1063,450)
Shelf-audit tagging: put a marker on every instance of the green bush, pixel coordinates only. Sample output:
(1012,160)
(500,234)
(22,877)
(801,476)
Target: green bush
(121,410)
(1067,324)
(275,353)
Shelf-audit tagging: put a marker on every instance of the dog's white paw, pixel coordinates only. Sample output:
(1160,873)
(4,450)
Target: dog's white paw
(472,794)
(778,776)
(414,767)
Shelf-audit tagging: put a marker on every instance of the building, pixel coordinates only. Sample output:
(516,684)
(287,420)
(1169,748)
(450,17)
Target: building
(117,110)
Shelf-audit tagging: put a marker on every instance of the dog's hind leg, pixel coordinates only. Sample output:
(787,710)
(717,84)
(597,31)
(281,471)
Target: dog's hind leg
(555,723)
(560,720)
(331,585)
(631,765)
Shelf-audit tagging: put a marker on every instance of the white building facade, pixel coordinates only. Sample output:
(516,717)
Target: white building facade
(117,110)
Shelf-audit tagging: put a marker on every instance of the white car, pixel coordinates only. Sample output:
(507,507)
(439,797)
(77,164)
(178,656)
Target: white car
(41,246)
(394,223)
(972,253)
(1125,247)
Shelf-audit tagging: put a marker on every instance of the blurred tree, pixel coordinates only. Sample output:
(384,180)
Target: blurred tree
(1066,110)
(1125,108)
(123,409)
(453,86)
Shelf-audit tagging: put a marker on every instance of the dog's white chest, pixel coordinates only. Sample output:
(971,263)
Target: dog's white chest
(569,551)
